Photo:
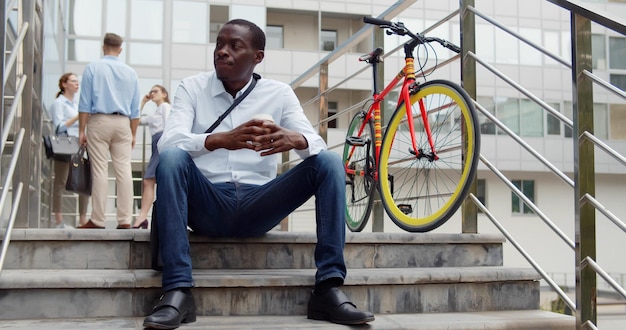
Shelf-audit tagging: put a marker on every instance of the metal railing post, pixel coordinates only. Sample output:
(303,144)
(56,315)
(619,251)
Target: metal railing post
(584,171)
(469,222)
(378,211)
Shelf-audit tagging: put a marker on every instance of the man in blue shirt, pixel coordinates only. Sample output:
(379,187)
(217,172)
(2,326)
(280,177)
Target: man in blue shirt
(109,112)
(224,183)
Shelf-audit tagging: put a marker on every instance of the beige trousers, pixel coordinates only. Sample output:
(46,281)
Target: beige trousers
(110,134)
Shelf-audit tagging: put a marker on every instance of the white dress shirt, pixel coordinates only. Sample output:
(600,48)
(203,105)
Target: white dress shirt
(156,120)
(201,99)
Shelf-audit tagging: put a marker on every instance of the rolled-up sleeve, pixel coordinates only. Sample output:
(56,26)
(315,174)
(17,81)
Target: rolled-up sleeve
(178,127)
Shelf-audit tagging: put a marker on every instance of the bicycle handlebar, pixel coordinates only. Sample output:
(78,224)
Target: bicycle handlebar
(399,29)
(376,21)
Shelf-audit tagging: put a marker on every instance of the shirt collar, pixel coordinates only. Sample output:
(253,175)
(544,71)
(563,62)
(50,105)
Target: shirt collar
(217,87)
(65,99)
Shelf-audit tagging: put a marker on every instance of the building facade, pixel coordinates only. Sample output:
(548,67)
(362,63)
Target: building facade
(167,40)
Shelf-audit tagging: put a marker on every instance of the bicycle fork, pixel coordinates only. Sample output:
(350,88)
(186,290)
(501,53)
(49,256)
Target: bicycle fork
(419,153)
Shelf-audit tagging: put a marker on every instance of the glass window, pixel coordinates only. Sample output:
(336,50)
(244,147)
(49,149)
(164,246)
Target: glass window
(507,111)
(274,37)
(617,53)
(598,51)
(553,124)
(83,50)
(527,187)
(116,17)
(486,125)
(619,81)
(85,18)
(529,55)
(146,19)
(219,16)
(506,48)
(328,40)
(332,110)
(485,45)
(551,42)
(569,113)
(189,21)
(617,121)
(531,118)
(145,54)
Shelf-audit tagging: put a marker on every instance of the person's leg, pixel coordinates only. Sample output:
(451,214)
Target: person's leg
(186,197)
(147,198)
(121,147)
(58,187)
(323,176)
(98,139)
(83,202)
(149,182)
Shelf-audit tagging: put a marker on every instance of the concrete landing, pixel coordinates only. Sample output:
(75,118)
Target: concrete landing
(531,319)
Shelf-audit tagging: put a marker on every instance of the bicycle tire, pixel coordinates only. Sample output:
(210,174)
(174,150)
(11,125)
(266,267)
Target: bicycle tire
(360,186)
(421,194)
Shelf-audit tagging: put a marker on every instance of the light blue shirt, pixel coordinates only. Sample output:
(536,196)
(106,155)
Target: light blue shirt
(109,85)
(201,99)
(62,110)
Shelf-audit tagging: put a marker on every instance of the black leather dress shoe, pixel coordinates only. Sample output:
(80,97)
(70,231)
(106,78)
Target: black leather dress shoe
(174,307)
(335,307)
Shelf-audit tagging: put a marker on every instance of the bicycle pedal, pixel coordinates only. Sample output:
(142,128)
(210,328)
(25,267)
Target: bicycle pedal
(405,208)
(356,141)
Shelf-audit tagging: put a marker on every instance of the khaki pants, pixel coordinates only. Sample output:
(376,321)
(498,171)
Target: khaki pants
(110,134)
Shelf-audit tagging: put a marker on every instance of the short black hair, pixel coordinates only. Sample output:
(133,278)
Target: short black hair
(258,36)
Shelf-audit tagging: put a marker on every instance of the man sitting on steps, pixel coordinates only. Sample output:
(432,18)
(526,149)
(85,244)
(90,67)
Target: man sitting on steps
(224,184)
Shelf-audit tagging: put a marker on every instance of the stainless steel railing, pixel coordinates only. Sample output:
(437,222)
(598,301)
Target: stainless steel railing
(585,306)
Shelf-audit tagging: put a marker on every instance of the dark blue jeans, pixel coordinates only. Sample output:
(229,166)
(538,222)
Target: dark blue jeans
(186,198)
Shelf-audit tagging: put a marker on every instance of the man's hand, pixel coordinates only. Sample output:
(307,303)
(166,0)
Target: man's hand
(257,135)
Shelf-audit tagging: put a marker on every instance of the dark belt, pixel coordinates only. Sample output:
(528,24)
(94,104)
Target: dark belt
(117,113)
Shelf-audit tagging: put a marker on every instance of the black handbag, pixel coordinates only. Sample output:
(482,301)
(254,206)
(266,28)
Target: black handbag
(60,147)
(79,173)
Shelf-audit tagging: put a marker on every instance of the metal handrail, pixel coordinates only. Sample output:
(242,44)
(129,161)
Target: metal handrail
(519,36)
(530,203)
(589,262)
(5,192)
(6,129)
(605,84)
(526,146)
(525,254)
(604,147)
(598,206)
(523,90)
(13,56)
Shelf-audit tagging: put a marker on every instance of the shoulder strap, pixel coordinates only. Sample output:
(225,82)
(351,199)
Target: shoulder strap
(235,103)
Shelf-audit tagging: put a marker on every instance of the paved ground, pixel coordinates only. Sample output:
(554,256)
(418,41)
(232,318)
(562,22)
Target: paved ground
(432,321)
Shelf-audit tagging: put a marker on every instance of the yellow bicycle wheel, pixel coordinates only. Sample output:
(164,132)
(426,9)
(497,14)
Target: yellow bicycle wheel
(420,189)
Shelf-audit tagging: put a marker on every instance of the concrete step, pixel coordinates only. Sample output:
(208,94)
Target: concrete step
(516,319)
(129,249)
(53,293)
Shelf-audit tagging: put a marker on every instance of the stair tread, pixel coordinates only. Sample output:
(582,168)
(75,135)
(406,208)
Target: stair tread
(524,319)
(147,278)
(20,234)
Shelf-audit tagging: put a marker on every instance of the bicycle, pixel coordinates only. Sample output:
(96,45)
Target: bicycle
(425,161)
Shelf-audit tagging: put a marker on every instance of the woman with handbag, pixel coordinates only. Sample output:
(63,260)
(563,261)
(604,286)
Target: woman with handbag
(156,121)
(65,120)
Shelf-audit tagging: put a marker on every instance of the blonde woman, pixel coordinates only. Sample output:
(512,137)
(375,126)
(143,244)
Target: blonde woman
(158,94)
(65,120)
